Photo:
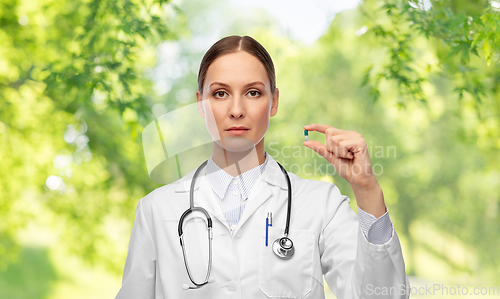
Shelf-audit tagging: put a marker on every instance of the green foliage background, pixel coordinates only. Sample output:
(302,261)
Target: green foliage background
(77,89)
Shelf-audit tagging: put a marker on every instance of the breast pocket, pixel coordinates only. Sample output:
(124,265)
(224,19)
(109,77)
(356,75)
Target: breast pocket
(291,278)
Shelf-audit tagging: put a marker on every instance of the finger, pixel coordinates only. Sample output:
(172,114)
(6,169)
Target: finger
(322,151)
(357,147)
(333,145)
(319,148)
(340,150)
(321,128)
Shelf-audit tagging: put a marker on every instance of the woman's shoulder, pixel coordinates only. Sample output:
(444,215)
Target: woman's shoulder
(166,194)
(162,193)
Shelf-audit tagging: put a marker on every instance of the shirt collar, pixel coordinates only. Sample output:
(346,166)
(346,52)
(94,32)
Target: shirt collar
(219,180)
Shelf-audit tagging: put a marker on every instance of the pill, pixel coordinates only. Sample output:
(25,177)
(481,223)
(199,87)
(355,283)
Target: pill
(306,134)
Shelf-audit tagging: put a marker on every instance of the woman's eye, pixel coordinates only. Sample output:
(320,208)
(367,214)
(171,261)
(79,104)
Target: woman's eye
(219,94)
(254,93)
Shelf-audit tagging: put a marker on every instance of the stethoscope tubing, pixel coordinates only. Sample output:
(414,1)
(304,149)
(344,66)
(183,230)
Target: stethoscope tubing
(192,209)
(289,208)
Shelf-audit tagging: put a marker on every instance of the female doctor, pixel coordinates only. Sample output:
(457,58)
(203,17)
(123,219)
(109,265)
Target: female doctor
(245,193)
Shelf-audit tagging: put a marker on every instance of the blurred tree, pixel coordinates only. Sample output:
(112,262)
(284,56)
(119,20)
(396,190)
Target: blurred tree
(462,59)
(459,29)
(73,93)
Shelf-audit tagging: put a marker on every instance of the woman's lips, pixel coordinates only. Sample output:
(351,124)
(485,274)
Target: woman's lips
(237,132)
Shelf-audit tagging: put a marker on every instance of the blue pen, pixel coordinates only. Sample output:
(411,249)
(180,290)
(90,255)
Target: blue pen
(267,225)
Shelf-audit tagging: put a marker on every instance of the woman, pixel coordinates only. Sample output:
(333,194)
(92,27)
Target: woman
(241,185)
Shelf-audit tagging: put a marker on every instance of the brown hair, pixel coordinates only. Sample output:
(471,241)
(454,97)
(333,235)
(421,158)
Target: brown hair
(231,44)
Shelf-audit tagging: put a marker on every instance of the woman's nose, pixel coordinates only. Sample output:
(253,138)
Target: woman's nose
(237,109)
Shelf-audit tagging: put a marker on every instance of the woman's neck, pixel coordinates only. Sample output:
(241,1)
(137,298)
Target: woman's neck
(236,163)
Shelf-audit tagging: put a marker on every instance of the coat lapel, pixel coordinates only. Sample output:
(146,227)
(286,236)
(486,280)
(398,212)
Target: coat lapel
(203,195)
(260,193)
(265,187)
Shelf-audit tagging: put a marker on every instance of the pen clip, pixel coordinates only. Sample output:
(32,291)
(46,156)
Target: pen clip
(267,228)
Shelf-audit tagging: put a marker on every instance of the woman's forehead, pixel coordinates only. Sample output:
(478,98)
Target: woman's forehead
(236,68)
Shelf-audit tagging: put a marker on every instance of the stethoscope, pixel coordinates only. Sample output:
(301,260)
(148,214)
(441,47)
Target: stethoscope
(282,247)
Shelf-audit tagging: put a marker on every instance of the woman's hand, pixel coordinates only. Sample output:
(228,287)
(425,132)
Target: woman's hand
(348,154)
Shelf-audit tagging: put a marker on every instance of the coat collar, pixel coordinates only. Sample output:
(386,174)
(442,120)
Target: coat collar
(220,180)
(260,193)
(272,175)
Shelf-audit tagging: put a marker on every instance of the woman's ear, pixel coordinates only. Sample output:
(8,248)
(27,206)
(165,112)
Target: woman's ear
(274,105)
(199,102)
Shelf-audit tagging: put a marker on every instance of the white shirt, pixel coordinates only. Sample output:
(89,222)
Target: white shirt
(232,195)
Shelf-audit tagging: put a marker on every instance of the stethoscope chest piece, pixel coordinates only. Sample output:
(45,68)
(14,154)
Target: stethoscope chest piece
(283,248)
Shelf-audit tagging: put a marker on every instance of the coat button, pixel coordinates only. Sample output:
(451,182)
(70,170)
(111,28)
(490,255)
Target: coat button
(232,286)
(233,227)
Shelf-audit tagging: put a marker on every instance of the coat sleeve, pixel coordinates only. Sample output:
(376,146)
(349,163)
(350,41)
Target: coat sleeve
(139,274)
(352,266)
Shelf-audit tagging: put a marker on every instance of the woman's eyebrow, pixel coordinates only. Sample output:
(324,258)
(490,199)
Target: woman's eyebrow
(254,83)
(219,83)
(246,85)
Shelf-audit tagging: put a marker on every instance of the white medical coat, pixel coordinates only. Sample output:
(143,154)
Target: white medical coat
(324,229)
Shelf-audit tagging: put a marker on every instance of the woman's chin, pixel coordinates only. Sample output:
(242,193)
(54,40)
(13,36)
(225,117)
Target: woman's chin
(236,144)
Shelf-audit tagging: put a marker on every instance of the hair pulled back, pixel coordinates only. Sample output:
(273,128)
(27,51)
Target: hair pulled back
(232,44)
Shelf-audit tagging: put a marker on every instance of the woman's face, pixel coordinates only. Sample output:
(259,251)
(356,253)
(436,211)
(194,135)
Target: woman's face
(237,93)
